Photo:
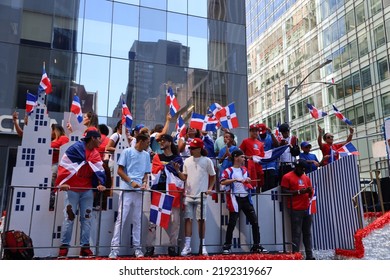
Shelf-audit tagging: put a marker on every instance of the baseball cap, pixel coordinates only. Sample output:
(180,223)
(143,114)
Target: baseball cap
(305,144)
(300,163)
(138,127)
(165,137)
(284,127)
(262,128)
(253,127)
(196,143)
(92,133)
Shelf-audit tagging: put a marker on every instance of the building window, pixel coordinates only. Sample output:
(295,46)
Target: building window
(360,16)
(383,69)
(350,21)
(340,90)
(366,77)
(363,45)
(350,114)
(376,6)
(356,82)
(379,35)
(331,94)
(359,112)
(353,51)
(348,86)
(369,111)
(386,104)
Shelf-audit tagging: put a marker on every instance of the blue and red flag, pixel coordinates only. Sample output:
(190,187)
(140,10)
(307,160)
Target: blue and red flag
(74,158)
(45,84)
(313,203)
(348,149)
(227,116)
(203,123)
(172,102)
(341,116)
(31,103)
(160,209)
(76,108)
(314,112)
(271,155)
(214,109)
(278,135)
(127,118)
(180,127)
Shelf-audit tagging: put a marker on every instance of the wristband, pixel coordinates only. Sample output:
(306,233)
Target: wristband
(299,191)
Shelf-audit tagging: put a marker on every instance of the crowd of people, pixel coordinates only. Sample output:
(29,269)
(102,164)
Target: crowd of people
(196,162)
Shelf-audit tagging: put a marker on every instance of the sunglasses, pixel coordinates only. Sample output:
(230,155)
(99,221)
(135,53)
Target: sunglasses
(329,137)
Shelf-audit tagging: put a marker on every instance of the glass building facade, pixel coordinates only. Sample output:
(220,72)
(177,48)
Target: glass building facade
(355,35)
(105,51)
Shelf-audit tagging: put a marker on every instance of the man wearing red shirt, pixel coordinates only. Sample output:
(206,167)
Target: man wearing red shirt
(298,188)
(253,147)
(328,149)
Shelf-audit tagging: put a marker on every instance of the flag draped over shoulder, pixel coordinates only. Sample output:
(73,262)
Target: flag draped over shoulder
(127,118)
(202,122)
(172,102)
(340,116)
(227,116)
(76,108)
(31,103)
(74,158)
(174,186)
(271,155)
(348,149)
(45,84)
(314,112)
(160,209)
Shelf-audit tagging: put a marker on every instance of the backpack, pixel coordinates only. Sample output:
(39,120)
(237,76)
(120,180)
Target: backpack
(17,245)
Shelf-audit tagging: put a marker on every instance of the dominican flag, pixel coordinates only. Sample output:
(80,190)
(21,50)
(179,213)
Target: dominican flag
(315,113)
(31,103)
(160,209)
(204,123)
(341,116)
(76,108)
(180,127)
(278,135)
(348,149)
(228,117)
(172,102)
(74,158)
(214,109)
(271,155)
(126,115)
(313,203)
(45,84)
(174,186)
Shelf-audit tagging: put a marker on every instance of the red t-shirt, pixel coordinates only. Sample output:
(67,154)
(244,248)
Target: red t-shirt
(101,149)
(253,147)
(326,150)
(292,182)
(56,144)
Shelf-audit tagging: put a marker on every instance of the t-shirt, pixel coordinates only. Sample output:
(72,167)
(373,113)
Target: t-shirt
(239,188)
(198,171)
(331,150)
(291,181)
(56,144)
(252,147)
(227,161)
(135,164)
(310,167)
(102,147)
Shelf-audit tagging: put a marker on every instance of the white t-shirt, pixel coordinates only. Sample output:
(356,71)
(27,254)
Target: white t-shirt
(198,171)
(238,186)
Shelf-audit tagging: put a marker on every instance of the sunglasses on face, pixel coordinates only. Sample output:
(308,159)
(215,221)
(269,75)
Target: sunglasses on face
(329,137)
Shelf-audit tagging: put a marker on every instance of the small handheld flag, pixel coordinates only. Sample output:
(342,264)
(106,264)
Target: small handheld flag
(341,116)
(160,209)
(348,149)
(31,103)
(228,117)
(180,127)
(126,115)
(204,123)
(314,112)
(76,108)
(45,84)
(172,102)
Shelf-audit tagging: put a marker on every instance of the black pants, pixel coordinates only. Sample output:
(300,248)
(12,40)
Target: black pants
(244,205)
(270,180)
(301,225)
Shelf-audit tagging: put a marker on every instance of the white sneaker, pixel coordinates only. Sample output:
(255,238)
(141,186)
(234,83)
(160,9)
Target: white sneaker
(138,253)
(186,251)
(113,254)
(204,251)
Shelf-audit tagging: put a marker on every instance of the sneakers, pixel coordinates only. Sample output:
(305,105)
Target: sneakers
(204,251)
(85,252)
(63,251)
(258,249)
(185,252)
(149,252)
(226,250)
(138,253)
(172,251)
(113,254)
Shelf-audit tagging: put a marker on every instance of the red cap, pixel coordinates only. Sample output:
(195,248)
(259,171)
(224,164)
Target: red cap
(253,127)
(262,128)
(196,143)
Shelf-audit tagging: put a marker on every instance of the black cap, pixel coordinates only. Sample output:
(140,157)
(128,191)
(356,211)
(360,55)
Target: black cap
(92,133)
(236,153)
(165,137)
(284,127)
(300,163)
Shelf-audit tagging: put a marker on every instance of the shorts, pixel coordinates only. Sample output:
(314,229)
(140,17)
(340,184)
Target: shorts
(192,206)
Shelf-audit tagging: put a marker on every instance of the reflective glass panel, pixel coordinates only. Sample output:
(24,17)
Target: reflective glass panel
(197,42)
(178,6)
(197,8)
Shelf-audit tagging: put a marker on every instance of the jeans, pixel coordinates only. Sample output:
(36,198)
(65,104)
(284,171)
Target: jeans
(301,225)
(83,201)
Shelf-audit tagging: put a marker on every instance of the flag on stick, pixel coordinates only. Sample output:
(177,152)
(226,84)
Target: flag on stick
(76,108)
(348,149)
(228,117)
(172,102)
(45,84)
(31,103)
(314,112)
(202,122)
(341,116)
(126,115)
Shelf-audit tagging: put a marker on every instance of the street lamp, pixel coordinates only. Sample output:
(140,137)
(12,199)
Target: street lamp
(294,88)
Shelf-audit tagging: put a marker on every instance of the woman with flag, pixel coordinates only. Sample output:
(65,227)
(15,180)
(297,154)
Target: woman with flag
(329,149)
